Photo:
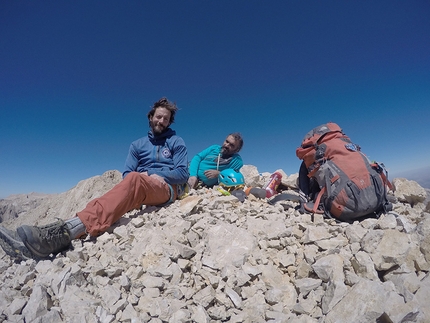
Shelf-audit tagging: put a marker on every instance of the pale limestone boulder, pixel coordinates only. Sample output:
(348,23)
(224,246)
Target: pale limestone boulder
(413,214)
(421,299)
(306,285)
(406,282)
(252,176)
(310,253)
(329,268)
(355,232)
(199,314)
(423,230)
(332,243)
(16,306)
(180,316)
(313,234)
(334,292)
(387,248)
(398,311)
(364,302)
(364,266)
(38,304)
(205,296)
(409,191)
(227,244)
(406,224)
(305,306)
(129,314)
(291,181)
(275,316)
(267,229)
(273,279)
(387,221)
(188,204)
(285,258)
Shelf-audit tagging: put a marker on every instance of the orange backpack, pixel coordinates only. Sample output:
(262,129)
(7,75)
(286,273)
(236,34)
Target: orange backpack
(351,187)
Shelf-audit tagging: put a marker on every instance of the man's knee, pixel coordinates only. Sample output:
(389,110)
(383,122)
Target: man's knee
(132,177)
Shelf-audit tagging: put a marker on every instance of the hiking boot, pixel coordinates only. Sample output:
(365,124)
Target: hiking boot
(44,240)
(13,245)
(239,194)
(284,197)
(256,191)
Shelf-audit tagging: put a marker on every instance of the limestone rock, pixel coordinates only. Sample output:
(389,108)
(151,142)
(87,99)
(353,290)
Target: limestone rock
(252,176)
(409,191)
(210,258)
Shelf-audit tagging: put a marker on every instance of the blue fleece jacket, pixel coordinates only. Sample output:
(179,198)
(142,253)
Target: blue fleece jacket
(208,159)
(164,154)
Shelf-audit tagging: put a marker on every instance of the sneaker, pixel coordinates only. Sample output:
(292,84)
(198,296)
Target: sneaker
(257,192)
(45,240)
(310,208)
(182,191)
(239,194)
(303,197)
(285,197)
(13,245)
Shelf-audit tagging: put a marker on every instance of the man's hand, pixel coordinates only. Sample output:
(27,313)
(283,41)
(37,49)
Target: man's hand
(212,173)
(192,181)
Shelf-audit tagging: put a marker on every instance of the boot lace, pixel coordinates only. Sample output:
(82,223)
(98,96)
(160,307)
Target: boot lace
(55,233)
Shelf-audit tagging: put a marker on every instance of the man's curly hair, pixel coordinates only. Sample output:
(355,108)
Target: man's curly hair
(164,103)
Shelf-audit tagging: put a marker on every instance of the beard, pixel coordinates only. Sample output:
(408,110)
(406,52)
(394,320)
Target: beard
(157,128)
(225,151)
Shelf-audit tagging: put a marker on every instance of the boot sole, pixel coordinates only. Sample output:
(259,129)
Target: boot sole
(14,248)
(23,236)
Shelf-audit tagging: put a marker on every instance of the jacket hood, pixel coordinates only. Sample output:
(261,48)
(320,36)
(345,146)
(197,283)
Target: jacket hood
(165,134)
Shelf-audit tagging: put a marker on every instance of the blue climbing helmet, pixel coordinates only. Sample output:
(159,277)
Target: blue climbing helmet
(229,177)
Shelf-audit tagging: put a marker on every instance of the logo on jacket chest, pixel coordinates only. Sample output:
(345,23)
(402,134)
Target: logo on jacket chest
(166,153)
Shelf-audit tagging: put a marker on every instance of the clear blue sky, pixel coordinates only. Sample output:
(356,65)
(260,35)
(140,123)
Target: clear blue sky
(78,77)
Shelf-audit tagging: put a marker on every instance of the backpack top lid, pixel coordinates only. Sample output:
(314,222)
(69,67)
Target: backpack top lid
(316,133)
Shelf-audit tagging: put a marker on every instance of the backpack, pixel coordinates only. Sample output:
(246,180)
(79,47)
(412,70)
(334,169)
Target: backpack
(351,187)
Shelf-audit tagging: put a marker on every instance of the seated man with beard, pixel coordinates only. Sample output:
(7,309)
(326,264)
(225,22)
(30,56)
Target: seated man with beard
(206,165)
(155,168)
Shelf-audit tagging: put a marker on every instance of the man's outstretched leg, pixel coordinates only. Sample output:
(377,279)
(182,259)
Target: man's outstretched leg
(136,189)
(131,193)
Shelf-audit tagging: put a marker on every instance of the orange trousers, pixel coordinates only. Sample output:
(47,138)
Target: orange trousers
(132,192)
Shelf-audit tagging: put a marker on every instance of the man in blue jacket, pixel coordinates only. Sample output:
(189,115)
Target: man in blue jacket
(206,165)
(155,166)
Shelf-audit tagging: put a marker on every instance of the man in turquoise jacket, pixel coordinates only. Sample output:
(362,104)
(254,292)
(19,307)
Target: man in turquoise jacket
(206,165)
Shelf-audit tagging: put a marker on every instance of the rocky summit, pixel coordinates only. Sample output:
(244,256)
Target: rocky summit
(212,258)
